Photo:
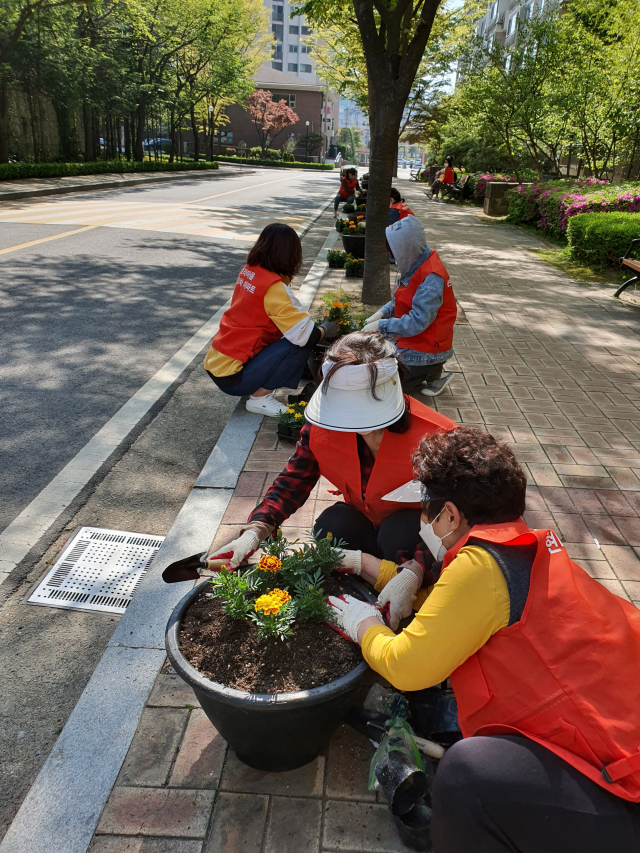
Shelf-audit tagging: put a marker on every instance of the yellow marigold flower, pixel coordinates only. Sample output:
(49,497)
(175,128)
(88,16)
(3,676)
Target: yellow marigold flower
(298,415)
(267,604)
(329,535)
(290,411)
(269,563)
(302,403)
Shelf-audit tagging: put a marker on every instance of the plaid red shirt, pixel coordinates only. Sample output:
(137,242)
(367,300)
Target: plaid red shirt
(293,486)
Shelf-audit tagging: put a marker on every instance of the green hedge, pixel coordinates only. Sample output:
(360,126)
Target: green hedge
(601,239)
(12,171)
(251,161)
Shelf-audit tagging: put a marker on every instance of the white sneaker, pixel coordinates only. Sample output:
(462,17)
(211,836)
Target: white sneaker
(433,389)
(267,405)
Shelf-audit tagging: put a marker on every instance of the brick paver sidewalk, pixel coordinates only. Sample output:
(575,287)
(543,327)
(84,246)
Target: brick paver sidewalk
(549,365)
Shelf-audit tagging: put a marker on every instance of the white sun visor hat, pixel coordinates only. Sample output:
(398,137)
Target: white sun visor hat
(348,404)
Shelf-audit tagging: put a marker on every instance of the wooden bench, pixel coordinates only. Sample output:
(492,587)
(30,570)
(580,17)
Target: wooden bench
(631,264)
(456,190)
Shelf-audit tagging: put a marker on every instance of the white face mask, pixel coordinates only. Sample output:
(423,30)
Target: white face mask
(432,540)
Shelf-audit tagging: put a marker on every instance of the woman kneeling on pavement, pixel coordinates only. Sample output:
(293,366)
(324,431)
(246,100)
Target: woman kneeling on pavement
(422,312)
(398,208)
(543,660)
(265,337)
(359,435)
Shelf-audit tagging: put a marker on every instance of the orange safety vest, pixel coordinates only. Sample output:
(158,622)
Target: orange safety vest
(567,674)
(351,187)
(337,457)
(403,208)
(438,337)
(245,327)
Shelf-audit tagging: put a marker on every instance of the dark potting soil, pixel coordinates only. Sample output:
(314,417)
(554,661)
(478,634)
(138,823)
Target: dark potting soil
(228,651)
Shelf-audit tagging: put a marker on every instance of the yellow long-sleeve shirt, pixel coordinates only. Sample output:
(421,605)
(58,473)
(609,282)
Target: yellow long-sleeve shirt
(468,604)
(283,308)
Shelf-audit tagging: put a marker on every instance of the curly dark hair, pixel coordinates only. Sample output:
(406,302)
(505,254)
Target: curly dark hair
(475,471)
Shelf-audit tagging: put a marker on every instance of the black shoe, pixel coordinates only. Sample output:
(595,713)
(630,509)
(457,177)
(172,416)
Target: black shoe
(304,396)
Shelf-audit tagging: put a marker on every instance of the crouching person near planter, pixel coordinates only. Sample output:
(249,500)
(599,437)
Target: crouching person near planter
(265,337)
(359,434)
(422,312)
(398,209)
(543,660)
(347,192)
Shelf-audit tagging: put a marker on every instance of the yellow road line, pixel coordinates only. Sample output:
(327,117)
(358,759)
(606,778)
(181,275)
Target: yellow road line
(45,240)
(241,190)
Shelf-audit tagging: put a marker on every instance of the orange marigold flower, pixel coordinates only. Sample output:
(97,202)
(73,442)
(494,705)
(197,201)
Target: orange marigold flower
(269,563)
(337,305)
(280,595)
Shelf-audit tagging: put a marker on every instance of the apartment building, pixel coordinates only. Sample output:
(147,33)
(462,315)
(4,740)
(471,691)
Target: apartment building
(499,24)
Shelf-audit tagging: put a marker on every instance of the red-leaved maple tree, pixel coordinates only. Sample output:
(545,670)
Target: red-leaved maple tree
(269,117)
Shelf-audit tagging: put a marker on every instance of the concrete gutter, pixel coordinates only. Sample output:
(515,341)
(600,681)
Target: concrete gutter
(119,180)
(64,804)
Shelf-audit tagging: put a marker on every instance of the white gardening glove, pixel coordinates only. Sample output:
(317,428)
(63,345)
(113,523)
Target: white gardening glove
(371,327)
(400,592)
(349,612)
(237,551)
(376,316)
(351,562)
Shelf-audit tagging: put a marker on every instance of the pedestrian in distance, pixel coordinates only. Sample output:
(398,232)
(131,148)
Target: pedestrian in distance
(422,312)
(447,179)
(359,435)
(348,187)
(265,336)
(542,658)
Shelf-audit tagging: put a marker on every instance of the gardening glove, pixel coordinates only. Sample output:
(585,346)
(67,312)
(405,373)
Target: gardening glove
(237,551)
(399,594)
(371,327)
(349,612)
(331,328)
(374,317)
(351,562)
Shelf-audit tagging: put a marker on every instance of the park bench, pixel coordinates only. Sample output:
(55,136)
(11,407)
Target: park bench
(631,264)
(456,190)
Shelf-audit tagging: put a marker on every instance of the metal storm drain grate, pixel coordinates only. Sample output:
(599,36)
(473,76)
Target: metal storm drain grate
(98,570)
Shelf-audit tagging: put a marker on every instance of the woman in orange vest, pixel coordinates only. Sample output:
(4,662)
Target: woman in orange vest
(447,179)
(422,312)
(265,337)
(544,662)
(398,208)
(359,435)
(348,186)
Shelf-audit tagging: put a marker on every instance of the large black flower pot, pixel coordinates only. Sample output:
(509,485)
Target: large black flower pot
(271,732)
(353,245)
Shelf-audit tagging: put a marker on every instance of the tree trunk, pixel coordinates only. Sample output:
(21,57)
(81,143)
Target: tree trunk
(127,138)
(138,150)
(4,119)
(196,137)
(172,134)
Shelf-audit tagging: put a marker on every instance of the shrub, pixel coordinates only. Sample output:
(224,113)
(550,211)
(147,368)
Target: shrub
(272,154)
(552,204)
(13,171)
(601,239)
(251,161)
(255,152)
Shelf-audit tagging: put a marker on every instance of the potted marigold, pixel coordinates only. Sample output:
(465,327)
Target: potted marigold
(354,267)
(290,422)
(268,670)
(353,236)
(336,259)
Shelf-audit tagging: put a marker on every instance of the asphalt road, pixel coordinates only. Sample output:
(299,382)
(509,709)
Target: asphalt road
(87,318)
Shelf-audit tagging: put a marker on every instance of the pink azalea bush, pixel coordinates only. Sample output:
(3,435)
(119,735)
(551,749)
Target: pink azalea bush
(550,205)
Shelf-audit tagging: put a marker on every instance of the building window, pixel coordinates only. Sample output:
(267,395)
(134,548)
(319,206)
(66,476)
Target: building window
(292,66)
(293,48)
(277,52)
(306,69)
(481,31)
(490,43)
(277,13)
(294,29)
(494,9)
(304,48)
(276,29)
(527,12)
(290,100)
(540,5)
(277,66)
(306,31)
(512,25)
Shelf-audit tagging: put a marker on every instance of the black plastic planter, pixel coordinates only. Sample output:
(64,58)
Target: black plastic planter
(289,434)
(353,245)
(271,732)
(351,273)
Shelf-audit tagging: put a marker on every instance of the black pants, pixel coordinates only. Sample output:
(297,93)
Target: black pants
(508,794)
(419,374)
(399,532)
